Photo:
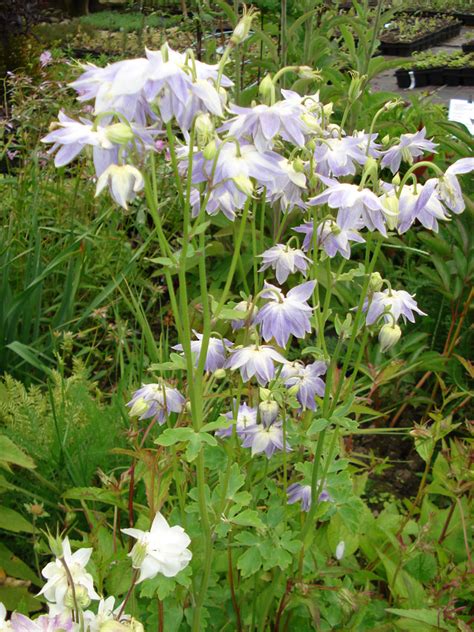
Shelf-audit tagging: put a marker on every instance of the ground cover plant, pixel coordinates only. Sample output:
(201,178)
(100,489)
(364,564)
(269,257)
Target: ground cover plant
(241,382)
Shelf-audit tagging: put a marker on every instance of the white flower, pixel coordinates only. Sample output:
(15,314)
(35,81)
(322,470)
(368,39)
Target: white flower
(124,182)
(57,585)
(106,612)
(163,549)
(5,626)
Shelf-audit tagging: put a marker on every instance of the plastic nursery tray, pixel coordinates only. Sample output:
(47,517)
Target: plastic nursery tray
(419,78)
(404,49)
(468,47)
(466,18)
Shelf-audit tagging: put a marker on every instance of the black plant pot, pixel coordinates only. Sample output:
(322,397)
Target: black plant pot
(436,76)
(468,77)
(452,76)
(468,47)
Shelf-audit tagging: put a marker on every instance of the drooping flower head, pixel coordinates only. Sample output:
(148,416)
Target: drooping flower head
(163,549)
(449,190)
(330,237)
(391,304)
(57,584)
(285,261)
(339,156)
(302,493)
(216,351)
(265,437)
(156,400)
(124,182)
(306,380)
(44,623)
(285,315)
(258,360)
(246,417)
(411,146)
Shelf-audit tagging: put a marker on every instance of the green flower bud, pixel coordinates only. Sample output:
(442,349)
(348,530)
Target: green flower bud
(375,282)
(266,90)
(210,150)
(119,133)
(138,554)
(219,374)
(56,545)
(265,394)
(244,184)
(205,129)
(242,29)
(386,140)
(371,167)
(389,335)
(138,408)
(306,72)
(82,598)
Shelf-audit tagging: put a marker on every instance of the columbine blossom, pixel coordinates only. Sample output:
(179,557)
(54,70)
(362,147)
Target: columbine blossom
(330,237)
(216,351)
(124,182)
(246,417)
(244,307)
(255,360)
(368,140)
(307,381)
(163,549)
(5,626)
(106,611)
(45,58)
(266,438)
(449,190)
(287,188)
(57,584)
(339,156)
(297,492)
(44,623)
(283,316)
(391,304)
(411,146)
(285,261)
(340,548)
(156,400)
(357,207)
(420,203)
(262,123)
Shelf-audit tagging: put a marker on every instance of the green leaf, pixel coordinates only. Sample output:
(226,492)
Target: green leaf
(96,494)
(423,567)
(12,521)
(10,454)
(175,435)
(19,599)
(14,567)
(318,425)
(422,615)
(402,585)
(248,518)
(250,562)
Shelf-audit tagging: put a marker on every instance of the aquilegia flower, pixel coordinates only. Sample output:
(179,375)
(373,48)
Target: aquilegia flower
(5,626)
(45,58)
(357,207)
(265,438)
(44,623)
(285,261)
(155,400)
(331,238)
(124,183)
(449,190)
(420,203)
(283,315)
(391,304)
(106,611)
(411,146)
(163,549)
(255,360)
(57,583)
(297,492)
(246,417)
(339,156)
(216,351)
(307,381)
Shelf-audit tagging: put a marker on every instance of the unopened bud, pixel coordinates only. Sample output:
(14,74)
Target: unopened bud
(306,72)
(371,167)
(242,29)
(375,282)
(312,122)
(396,180)
(391,105)
(298,165)
(244,184)
(114,626)
(219,374)
(119,133)
(386,140)
(391,210)
(268,412)
(265,394)
(355,87)
(204,129)
(266,90)
(56,545)
(138,408)
(210,150)
(389,335)
(293,390)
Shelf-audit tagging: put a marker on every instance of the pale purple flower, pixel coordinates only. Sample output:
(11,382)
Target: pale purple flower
(297,492)
(284,315)
(11,155)
(44,623)
(234,166)
(368,140)
(420,203)
(268,439)
(156,400)
(287,188)
(244,307)
(356,206)
(45,58)
(449,190)
(307,380)
(330,237)
(285,261)
(411,146)
(255,360)
(216,351)
(391,304)
(124,182)
(246,417)
(339,156)
(262,123)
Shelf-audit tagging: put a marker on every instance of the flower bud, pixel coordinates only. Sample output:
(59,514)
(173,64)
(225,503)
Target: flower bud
(244,184)
(375,282)
(386,140)
(294,390)
(204,129)
(371,167)
(391,210)
(219,374)
(340,548)
(268,412)
(355,88)
(298,165)
(391,105)
(138,408)
(266,90)
(242,29)
(210,150)
(113,626)
(312,122)
(396,180)
(306,72)
(389,335)
(119,133)
(82,597)
(265,394)
(56,545)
